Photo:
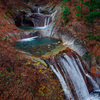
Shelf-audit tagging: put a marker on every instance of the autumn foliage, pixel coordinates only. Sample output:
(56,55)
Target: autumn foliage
(22,77)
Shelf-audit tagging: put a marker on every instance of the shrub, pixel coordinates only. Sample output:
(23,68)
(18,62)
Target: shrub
(93,36)
(79,15)
(79,11)
(65,11)
(74,2)
(87,56)
(92,16)
(78,8)
(93,4)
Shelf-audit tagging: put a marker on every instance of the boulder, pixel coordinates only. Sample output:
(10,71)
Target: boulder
(38,20)
(29,34)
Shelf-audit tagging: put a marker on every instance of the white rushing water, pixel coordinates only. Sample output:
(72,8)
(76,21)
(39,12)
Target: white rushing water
(28,39)
(39,10)
(65,87)
(72,67)
(46,21)
(39,28)
(94,84)
(47,18)
(75,74)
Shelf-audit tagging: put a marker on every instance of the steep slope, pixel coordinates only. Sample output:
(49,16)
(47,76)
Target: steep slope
(21,76)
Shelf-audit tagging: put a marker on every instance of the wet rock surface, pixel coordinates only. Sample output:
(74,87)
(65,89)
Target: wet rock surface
(38,51)
(29,34)
(38,20)
(32,16)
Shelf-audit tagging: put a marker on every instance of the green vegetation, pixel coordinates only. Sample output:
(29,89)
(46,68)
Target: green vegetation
(1,74)
(92,16)
(74,2)
(65,11)
(87,56)
(93,5)
(79,15)
(78,8)
(55,97)
(3,38)
(79,11)
(93,36)
(70,24)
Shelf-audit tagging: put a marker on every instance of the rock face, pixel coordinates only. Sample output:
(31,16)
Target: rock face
(65,35)
(38,20)
(34,9)
(32,18)
(29,34)
(21,19)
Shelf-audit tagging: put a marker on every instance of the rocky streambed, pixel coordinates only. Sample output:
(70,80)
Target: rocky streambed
(52,48)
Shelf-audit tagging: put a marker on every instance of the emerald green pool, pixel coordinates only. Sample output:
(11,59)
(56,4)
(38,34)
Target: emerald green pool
(37,46)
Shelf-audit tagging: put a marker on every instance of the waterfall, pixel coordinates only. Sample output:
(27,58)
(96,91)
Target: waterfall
(40,19)
(65,87)
(94,84)
(28,39)
(38,10)
(74,73)
(70,68)
(47,20)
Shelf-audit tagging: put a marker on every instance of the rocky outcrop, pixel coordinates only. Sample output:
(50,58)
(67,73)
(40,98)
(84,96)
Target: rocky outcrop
(66,35)
(29,34)
(22,18)
(28,17)
(38,20)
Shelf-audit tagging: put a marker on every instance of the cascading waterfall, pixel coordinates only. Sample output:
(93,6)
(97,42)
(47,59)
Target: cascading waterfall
(40,19)
(39,10)
(63,80)
(70,68)
(47,20)
(69,71)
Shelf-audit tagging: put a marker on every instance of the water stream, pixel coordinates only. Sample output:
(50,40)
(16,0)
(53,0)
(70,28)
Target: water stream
(68,69)
(47,20)
(39,26)
(39,10)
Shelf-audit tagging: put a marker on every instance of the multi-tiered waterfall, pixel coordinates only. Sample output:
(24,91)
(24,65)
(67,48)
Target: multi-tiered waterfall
(40,19)
(68,68)
(46,17)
